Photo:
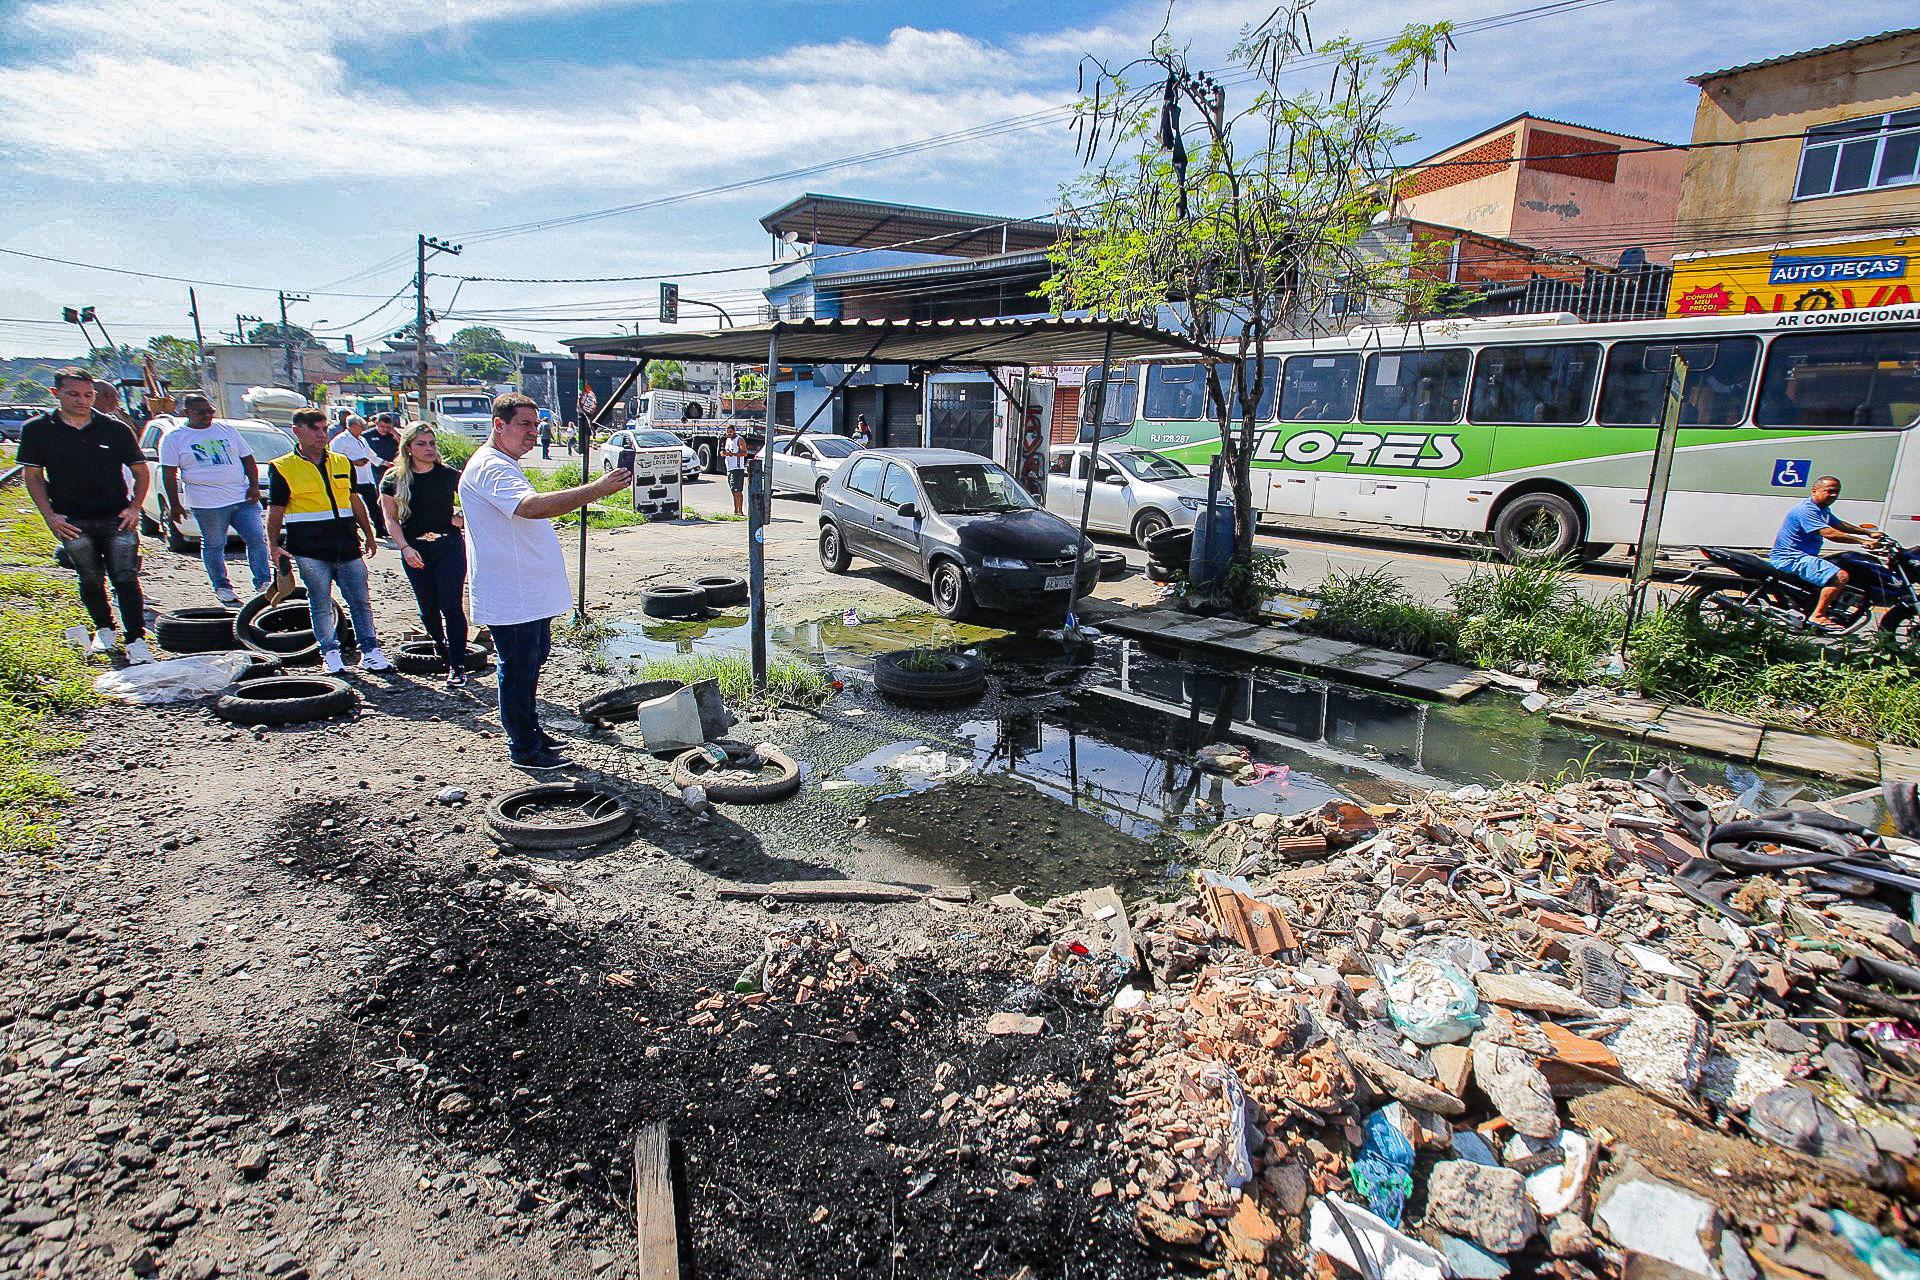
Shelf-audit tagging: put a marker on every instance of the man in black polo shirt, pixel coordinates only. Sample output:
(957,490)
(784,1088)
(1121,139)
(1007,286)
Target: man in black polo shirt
(73,458)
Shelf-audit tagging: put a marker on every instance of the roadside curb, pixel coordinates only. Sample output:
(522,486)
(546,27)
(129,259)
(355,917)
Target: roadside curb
(1741,738)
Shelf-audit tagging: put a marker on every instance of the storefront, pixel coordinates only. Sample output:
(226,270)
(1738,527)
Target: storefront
(1809,275)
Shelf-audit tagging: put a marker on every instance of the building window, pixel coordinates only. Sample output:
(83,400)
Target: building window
(1860,155)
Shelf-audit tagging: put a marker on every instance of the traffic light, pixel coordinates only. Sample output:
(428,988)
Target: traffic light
(86,315)
(669,304)
(70,315)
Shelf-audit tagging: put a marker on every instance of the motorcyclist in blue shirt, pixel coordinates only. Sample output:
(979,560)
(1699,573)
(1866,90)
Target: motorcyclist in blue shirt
(1796,549)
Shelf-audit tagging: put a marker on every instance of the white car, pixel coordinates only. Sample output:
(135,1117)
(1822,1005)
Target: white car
(1136,492)
(804,463)
(607,455)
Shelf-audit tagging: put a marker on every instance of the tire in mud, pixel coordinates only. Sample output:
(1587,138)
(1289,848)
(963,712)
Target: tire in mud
(620,704)
(778,777)
(723,589)
(898,676)
(286,700)
(559,815)
(194,630)
(676,600)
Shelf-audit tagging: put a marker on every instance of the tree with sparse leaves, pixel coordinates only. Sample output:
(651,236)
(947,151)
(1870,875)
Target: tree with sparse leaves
(268,334)
(29,391)
(1242,223)
(176,360)
(483,365)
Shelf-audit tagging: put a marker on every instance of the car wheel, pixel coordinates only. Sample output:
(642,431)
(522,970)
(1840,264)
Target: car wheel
(704,450)
(1538,526)
(1147,524)
(148,525)
(952,598)
(568,815)
(833,552)
(176,541)
(286,700)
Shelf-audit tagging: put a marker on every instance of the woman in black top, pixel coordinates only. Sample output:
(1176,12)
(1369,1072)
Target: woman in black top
(418,497)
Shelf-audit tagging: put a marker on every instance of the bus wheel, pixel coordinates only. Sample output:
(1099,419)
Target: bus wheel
(1537,526)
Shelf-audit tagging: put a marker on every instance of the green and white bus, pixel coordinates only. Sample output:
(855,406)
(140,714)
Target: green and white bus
(1539,430)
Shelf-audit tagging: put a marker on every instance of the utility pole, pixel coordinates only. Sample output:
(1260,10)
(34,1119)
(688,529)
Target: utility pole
(199,342)
(240,328)
(286,334)
(425,243)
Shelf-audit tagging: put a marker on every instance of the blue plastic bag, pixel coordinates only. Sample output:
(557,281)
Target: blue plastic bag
(1383,1171)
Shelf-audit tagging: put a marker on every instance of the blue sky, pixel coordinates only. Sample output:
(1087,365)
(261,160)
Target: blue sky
(264,144)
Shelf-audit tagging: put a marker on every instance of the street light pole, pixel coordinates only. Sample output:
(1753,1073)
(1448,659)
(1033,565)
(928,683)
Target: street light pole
(286,334)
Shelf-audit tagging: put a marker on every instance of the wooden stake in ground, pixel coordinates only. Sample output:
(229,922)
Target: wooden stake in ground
(656,1206)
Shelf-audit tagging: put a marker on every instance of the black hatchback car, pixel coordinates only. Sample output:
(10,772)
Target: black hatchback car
(959,523)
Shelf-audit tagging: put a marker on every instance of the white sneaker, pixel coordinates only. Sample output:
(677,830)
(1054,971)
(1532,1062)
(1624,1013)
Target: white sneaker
(374,660)
(103,642)
(225,596)
(137,652)
(330,662)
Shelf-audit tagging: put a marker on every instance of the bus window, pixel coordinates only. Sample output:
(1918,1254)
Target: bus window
(1269,385)
(1176,391)
(1319,389)
(1719,375)
(1415,386)
(1535,385)
(1116,418)
(1860,379)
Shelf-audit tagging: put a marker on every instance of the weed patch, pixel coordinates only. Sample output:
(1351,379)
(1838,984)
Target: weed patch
(789,682)
(1534,617)
(40,674)
(1376,608)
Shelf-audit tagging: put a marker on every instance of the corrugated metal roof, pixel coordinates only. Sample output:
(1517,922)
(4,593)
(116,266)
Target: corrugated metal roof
(972,266)
(877,224)
(921,342)
(1705,76)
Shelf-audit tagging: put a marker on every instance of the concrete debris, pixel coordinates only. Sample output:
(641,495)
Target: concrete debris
(1486,1204)
(1645,1215)
(1663,1049)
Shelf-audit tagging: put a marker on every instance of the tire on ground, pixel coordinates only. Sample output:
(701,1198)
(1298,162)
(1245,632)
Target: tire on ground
(1112,565)
(1517,529)
(723,589)
(778,778)
(286,700)
(194,630)
(261,668)
(600,815)
(422,658)
(622,703)
(958,676)
(675,600)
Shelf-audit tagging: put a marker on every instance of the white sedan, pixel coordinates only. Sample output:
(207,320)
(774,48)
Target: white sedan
(804,463)
(607,455)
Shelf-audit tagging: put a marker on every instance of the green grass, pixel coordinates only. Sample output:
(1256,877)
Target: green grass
(40,675)
(789,682)
(1535,617)
(455,448)
(1376,608)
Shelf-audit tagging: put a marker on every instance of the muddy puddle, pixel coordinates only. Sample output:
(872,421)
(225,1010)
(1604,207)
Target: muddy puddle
(1079,768)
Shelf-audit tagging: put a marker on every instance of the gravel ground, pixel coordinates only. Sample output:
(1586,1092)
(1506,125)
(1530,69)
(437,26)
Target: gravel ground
(275,1008)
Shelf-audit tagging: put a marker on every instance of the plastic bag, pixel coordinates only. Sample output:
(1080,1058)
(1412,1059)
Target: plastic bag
(175,680)
(1383,1171)
(1889,1259)
(1237,1158)
(1432,1002)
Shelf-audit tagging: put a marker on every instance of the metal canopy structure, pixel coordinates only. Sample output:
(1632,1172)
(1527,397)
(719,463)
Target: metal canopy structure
(876,224)
(917,342)
(856,343)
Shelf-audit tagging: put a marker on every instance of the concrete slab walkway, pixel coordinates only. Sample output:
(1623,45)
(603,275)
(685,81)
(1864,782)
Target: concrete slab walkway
(1733,737)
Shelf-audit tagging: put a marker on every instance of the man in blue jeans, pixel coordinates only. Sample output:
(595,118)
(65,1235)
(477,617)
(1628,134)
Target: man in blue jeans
(1797,547)
(519,578)
(208,468)
(315,518)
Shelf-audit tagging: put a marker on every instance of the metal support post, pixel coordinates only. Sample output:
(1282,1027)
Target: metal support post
(758,499)
(199,341)
(1099,406)
(586,438)
(1658,479)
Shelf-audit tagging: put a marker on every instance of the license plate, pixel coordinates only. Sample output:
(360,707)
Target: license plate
(1059,582)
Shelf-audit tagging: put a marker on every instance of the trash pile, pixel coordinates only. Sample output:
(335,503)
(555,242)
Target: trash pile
(807,976)
(1605,1028)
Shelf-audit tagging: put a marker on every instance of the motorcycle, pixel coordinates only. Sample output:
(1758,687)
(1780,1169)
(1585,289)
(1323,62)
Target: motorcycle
(1884,577)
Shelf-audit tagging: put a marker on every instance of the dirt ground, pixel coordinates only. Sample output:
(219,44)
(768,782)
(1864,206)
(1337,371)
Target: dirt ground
(275,1008)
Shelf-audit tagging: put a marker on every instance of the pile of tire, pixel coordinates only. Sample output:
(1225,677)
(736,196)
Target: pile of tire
(929,675)
(559,815)
(1168,552)
(285,630)
(1113,564)
(275,700)
(197,630)
(681,600)
(752,775)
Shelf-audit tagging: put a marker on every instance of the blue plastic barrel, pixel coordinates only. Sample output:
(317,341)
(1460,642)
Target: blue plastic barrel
(1213,536)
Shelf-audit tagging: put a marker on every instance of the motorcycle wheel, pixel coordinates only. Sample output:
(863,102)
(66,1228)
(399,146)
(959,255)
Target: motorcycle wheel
(1720,604)
(1851,611)
(1900,628)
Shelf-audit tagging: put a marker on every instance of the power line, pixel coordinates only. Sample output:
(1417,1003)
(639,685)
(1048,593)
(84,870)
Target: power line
(153,275)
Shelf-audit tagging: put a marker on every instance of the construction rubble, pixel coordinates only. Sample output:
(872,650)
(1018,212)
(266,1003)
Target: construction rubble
(1520,1031)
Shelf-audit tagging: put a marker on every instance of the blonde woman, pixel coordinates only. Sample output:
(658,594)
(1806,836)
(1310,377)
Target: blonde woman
(418,499)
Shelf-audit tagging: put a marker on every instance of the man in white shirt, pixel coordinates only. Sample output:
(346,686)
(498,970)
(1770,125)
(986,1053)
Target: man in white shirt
(519,580)
(352,445)
(208,468)
(733,455)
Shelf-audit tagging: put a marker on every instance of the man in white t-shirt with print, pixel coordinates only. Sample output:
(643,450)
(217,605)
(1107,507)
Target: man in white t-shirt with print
(519,582)
(208,468)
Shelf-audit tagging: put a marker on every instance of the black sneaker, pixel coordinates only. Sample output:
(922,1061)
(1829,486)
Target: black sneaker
(456,679)
(542,762)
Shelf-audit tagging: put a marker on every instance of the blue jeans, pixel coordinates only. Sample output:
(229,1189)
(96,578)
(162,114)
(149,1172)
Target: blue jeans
(244,519)
(522,647)
(320,577)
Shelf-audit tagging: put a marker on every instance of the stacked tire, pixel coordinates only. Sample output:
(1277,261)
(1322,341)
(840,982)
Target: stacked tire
(285,630)
(682,600)
(1168,552)
(195,630)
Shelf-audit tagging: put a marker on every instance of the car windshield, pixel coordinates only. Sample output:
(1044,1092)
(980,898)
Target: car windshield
(980,489)
(267,445)
(655,440)
(1143,464)
(467,405)
(835,447)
